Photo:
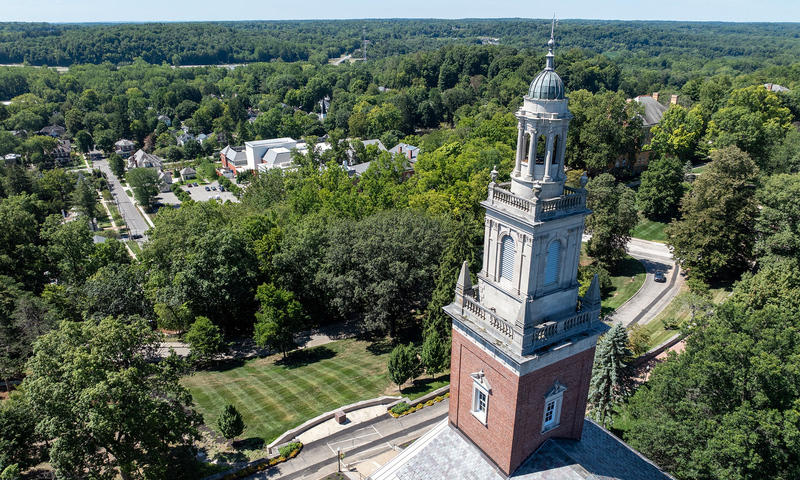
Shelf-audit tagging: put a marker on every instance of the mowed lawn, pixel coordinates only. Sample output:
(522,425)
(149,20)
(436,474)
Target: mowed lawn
(650,230)
(625,281)
(274,395)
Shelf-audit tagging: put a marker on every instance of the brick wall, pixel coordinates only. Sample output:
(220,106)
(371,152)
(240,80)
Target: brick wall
(516,405)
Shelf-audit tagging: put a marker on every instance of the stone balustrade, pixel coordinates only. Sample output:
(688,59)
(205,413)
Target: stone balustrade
(571,200)
(553,331)
(488,318)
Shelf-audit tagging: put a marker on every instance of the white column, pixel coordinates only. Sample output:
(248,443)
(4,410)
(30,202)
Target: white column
(532,152)
(548,156)
(520,148)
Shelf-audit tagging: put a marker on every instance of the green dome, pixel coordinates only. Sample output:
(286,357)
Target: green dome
(547,86)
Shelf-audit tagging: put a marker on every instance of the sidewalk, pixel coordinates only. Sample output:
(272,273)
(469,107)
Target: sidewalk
(368,443)
(248,349)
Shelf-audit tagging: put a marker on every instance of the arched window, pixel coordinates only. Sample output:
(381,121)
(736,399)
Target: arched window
(507,258)
(555,149)
(552,263)
(528,140)
(541,150)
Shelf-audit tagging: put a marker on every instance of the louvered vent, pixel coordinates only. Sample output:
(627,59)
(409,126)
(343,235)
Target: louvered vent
(551,266)
(507,259)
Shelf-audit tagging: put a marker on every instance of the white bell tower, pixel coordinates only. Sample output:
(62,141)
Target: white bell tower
(523,340)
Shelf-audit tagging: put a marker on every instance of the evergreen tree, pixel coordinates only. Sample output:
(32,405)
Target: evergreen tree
(230,422)
(460,247)
(611,373)
(435,354)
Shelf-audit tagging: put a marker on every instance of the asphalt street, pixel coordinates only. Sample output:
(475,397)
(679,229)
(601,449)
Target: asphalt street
(653,297)
(127,208)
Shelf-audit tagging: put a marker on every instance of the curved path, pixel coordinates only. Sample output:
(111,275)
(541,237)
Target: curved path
(653,297)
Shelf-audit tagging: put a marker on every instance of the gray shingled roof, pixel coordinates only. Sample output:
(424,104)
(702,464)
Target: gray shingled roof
(598,455)
(445,453)
(653,111)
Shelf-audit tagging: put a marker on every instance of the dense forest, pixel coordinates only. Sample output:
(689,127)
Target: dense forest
(318,40)
(304,240)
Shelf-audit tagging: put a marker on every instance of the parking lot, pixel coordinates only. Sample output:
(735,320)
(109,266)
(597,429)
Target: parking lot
(199,194)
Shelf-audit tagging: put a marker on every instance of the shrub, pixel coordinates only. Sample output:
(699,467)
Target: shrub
(400,408)
(429,403)
(289,450)
(670,323)
(438,399)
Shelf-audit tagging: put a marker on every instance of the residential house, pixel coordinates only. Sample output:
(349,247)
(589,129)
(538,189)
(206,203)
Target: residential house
(165,181)
(62,151)
(183,138)
(53,131)
(141,159)
(124,148)
(188,173)
(165,119)
(12,158)
(653,112)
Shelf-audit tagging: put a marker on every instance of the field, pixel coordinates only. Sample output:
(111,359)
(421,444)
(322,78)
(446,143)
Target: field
(275,395)
(651,230)
(626,281)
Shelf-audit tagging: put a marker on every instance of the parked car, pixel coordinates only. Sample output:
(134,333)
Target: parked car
(214,188)
(136,236)
(189,185)
(221,188)
(195,184)
(660,277)
(208,189)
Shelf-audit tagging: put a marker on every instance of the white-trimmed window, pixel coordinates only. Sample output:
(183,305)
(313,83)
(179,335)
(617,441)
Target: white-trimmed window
(551,417)
(507,258)
(480,396)
(552,263)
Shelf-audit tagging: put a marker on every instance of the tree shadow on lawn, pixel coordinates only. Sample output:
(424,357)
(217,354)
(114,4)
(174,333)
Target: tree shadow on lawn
(222,365)
(380,345)
(421,385)
(302,358)
(252,443)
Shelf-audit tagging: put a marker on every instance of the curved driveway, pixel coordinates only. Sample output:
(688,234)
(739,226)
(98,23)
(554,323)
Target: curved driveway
(653,297)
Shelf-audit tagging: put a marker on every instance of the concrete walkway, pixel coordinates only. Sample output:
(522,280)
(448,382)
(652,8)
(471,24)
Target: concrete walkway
(248,349)
(366,443)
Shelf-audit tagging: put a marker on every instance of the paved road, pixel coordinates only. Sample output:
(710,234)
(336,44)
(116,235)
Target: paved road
(130,214)
(363,440)
(653,297)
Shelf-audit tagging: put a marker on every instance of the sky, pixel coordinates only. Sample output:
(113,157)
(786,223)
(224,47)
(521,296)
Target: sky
(205,10)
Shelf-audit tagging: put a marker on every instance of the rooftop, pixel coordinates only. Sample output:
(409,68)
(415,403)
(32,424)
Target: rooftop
(445,453)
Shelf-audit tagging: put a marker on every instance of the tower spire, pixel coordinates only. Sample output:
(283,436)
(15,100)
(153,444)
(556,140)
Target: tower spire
(550,57)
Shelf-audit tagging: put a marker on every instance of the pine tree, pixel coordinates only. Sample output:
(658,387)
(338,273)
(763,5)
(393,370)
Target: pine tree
(230,422)
(611,374)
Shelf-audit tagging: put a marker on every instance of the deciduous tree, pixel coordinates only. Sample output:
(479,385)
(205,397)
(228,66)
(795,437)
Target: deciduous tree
(205,340)
(715,235)
(106,408)
(612,220)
